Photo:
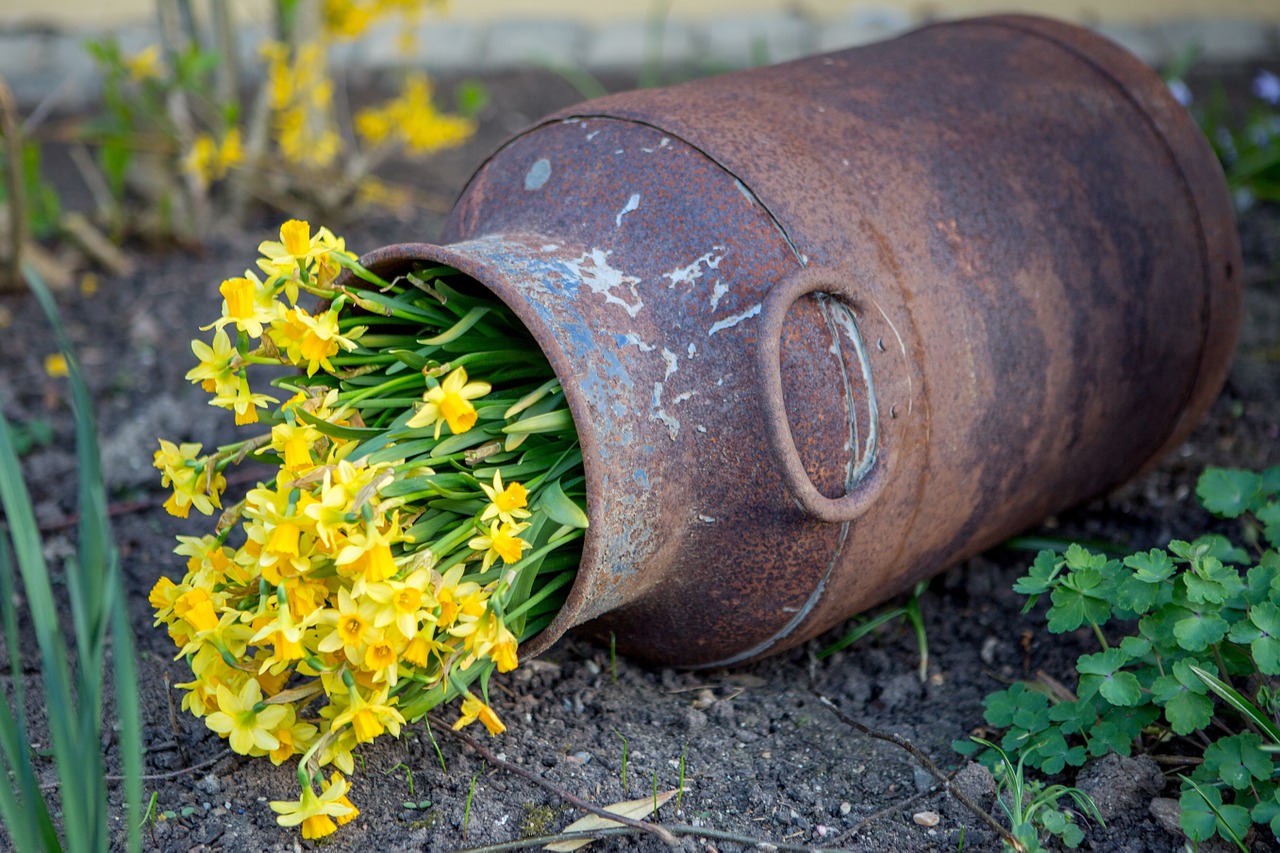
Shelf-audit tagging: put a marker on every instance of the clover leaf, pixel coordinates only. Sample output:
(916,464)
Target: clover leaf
(1226,492)
(1183,696)
(1200,630)
(1039,579)
(1210,582)
(1201,807)
(1269,517)
(1151,566)
(1267,811)
(1051,754)
(1262,633)
(1079,598)
(1017,706)
(1238,760)
(1119,728)
(1103,673)
(1074,717)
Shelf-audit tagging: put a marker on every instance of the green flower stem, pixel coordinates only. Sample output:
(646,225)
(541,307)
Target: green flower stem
(1097,632)
(373,391)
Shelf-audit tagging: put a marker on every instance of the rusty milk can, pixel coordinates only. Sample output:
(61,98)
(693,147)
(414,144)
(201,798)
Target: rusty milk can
(831,326)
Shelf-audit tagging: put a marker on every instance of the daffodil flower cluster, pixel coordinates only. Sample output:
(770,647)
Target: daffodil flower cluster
(419,524)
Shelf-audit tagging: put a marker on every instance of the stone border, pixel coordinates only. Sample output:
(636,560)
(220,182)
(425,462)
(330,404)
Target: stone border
(40,63)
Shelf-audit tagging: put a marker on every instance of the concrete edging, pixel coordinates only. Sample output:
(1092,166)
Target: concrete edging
(40,63)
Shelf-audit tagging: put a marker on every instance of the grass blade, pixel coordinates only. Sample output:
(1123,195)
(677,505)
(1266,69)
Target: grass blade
(22,808)
(1238,701)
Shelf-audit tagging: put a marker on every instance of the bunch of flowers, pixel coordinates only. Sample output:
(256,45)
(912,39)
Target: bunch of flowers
(418,523)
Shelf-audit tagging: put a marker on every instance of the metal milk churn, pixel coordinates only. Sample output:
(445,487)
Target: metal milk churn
(829,327)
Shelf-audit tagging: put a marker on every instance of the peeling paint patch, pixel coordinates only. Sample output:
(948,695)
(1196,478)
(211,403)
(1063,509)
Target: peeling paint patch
(633,203)
(593,270)
(742,188)
(717,293)
(691,273)
(729,322)
(693,350)
(673,362)
(538,174)
(550,247)
(682,396)
(707,519)
(632,339)
(592,135)
(660,415)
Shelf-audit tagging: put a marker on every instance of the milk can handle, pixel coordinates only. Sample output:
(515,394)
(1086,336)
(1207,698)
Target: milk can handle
(773,312)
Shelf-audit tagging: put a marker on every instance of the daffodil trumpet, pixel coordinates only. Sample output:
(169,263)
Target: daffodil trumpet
(414,531)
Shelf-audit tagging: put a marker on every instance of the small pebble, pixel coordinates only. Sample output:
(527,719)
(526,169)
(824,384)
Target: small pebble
(845,808)
(926,818)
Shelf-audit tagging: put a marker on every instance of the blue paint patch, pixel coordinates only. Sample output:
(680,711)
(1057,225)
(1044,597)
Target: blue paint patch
(538,174)
(641,477)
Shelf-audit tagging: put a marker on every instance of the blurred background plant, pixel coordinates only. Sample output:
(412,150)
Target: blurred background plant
(1245,136)
(182,143)
(191,135)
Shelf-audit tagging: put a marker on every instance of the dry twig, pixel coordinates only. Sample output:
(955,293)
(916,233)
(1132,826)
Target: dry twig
(676,829)
(927,763)
(13,186)
(571,798)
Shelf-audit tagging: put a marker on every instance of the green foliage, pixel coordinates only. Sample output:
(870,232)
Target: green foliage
(909,611)
(72,679)
(1246,141)
(1032,806)
(26,436)
(44,206)
(1189,638)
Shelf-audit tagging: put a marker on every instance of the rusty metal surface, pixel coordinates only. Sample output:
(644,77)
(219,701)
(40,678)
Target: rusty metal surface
(831,326)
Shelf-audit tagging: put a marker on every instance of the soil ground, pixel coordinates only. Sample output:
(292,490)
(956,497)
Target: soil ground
(761,756)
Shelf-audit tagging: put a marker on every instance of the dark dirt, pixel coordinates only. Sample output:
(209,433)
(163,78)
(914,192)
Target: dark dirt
(762,757)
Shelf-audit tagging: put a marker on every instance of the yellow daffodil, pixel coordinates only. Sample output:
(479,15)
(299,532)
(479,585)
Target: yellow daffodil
(145,64)
(370,717)
(194,479)
(244,720)
(247,303)
(507,504)
(351,623)
(315,813)
(293,736)
(55,365)
(217,370)
(473,709)
(243,401)
(402,604)
(503,541)
(450,402)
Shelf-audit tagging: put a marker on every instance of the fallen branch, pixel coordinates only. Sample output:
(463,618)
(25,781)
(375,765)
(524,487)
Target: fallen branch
(153,777)
(571,798)
(675,829)
(667,832)
(888,810)
(964,799)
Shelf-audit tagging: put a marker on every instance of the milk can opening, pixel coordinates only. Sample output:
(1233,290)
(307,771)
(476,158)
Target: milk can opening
(525,434)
